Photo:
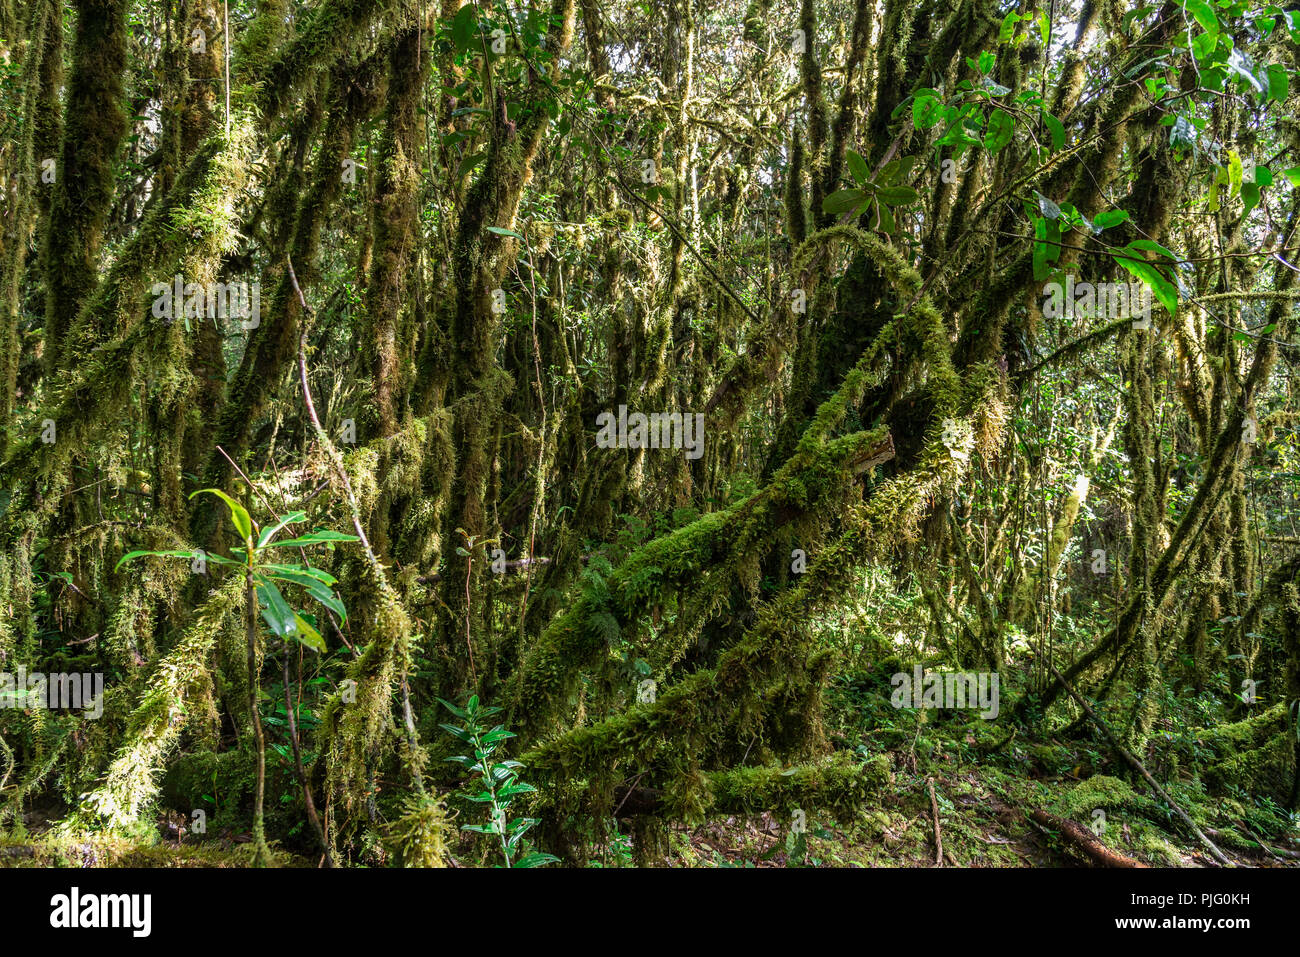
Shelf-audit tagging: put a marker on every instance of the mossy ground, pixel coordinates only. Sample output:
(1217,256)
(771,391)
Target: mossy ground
(982,799)
(103,851)
(982,824)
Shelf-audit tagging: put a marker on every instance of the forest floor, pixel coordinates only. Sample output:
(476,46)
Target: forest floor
(984,820)
(981,824)
(1003,794)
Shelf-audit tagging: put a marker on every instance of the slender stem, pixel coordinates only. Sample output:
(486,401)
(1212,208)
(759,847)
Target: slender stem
(498,812)
(261,854)
(469,645)
(292,720)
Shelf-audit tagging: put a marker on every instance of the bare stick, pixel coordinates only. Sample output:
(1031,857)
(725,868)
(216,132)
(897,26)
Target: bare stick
(934,812)
(336,460)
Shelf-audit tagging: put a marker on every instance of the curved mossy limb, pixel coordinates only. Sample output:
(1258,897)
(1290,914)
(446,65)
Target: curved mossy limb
(841,784)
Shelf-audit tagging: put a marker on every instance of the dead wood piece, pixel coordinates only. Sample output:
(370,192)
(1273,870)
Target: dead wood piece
(938,837)
(1084,840)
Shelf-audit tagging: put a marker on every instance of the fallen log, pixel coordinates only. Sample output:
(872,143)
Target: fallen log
(1084,840)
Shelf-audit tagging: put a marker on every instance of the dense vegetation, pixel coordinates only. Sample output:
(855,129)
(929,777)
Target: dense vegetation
(964,334)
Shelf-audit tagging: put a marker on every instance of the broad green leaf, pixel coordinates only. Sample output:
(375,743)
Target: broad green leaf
(463,27)
(1150,245)
(897,195)
(281,619)
(1164,290)
(308,635)
(895,171)
(1040,249)
(158,554)
(272,529)
(1204,45)
(316,589)
(316,538)
(452,708)
(1203,13)
(238,514)
(322,576)
(517,829)
(1057,130)
(858,166)
(1279,82)
(842,201)
(1000,130)
(459,733)
(926,111)
(1249,197)
(470,161)
(1008,28)
(1110,217)
(1047,246)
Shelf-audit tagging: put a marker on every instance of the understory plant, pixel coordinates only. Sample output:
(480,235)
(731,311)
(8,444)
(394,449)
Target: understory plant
(263,576)
(497,782)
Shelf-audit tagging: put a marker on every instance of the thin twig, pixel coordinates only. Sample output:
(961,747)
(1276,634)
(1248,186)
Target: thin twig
(934,811)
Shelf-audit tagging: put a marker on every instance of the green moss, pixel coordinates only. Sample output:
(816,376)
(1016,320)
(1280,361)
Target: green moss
(420,834)
(1266,770)
(101,850)
(85,178)
(1100,792)
(1246,735)
(1050,757)
(1152,844)
(841,785)
(1256,755)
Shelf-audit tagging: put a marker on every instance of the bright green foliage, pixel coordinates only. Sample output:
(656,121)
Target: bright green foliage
(497,781)
(255,558)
